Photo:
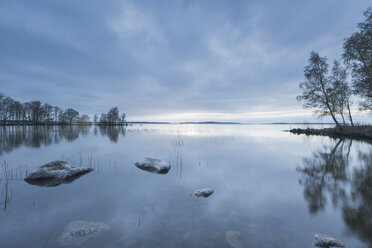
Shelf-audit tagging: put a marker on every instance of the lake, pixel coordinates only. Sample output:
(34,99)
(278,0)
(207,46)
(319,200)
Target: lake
(271,188)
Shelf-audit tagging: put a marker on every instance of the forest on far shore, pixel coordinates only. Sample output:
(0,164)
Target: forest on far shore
(14,112)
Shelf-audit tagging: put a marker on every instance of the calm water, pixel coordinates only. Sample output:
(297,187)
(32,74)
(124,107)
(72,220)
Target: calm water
(275,188)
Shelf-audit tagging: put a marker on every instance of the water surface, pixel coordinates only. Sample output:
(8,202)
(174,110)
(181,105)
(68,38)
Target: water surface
(274,188)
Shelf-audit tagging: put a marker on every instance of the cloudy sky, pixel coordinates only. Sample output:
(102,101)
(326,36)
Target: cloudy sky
(176,60)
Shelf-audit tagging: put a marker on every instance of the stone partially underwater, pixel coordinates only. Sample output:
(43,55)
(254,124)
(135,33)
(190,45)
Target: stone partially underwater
(55,173)
(234,239)
(203,192)
(324,241)
(78,232)
(154,166)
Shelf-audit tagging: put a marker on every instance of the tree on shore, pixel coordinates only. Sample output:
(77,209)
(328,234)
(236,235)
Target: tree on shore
(84,118)
(6,107)
(57,112)
(331,95)
(358,56)
(70,115)
(341,91)
(103,118)
(317,91)
(47,112)
(122,119)
(17,110)
(34,112)
(112,117)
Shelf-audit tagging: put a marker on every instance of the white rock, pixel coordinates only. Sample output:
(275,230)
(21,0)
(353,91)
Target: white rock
(324,241)
(57,169)
(203,192)
(233,238)
(154,165)
(78,232)
(55,173)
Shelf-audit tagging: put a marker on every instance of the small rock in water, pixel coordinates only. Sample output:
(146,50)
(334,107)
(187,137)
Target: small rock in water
(154,166)
(324,241)
(55,173)
(203,192)
(233,238)
(78,232)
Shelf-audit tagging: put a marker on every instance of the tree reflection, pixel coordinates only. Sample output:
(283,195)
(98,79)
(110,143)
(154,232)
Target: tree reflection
(112,132)
(358,210)
(12,137)
(326,172)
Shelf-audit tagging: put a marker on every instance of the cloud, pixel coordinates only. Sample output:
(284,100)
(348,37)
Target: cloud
(133,22)
(217,59)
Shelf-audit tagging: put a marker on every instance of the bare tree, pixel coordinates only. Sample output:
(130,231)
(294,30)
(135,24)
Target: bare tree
(6,105)
(341,91)
(47,112)
(57,112)
(122,119)
(2,96)
(317,89)
(35,111)
(18,110)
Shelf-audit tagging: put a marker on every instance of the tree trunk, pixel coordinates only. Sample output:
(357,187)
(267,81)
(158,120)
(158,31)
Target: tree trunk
(327,103)
(333,116)
(350,117)
(343,118)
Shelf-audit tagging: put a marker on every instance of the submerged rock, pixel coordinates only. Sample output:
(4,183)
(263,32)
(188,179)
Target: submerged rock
(233,238)
(203,192)
(324,241)
(55,173)
(154,166)
(78,232)
(52,182)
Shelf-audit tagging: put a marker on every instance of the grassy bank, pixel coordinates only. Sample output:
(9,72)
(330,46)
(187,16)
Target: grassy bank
(356,132)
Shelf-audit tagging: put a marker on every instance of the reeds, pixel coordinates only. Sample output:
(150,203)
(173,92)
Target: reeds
(7,176)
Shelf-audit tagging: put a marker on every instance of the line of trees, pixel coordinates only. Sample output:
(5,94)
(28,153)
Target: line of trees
(330,92)
(34,112)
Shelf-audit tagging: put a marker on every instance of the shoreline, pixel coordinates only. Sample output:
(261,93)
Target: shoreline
(363,133)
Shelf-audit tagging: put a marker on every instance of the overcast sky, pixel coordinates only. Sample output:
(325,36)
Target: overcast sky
(170,60)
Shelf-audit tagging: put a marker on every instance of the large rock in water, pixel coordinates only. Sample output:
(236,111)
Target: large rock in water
(203,192)
(55,173)
(78,232)
(324,241)
(154,166)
